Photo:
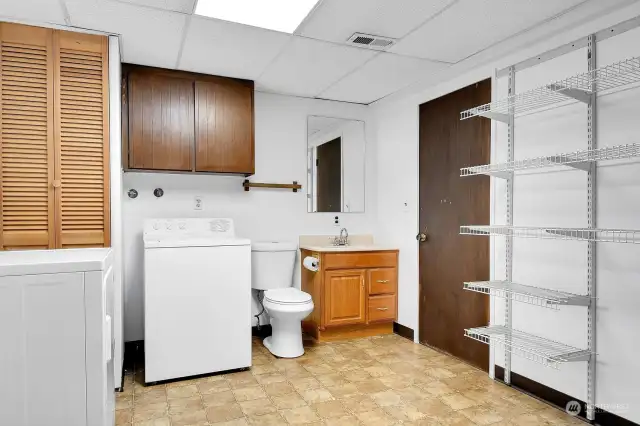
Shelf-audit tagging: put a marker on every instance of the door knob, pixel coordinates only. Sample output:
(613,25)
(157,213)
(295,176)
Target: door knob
(421,237)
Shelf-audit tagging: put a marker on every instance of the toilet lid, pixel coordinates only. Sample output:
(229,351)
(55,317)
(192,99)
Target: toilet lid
(287,296)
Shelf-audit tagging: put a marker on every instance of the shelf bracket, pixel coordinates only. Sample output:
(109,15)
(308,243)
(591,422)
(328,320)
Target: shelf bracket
(581,165)
(579,301)
(495,116)
(581,356)
(589,234)
(577,94)
(501,175)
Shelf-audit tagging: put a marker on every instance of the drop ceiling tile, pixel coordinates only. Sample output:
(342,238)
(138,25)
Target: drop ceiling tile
(183,6)
(32,11)
(470,26)
(337,20)
(306,67)
(384,74)
(149,36)
(225,48)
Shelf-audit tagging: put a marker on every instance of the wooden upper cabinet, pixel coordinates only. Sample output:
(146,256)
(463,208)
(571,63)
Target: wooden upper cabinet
(344,298)
(161,122)
(181,121)
(224,128)
(54,145)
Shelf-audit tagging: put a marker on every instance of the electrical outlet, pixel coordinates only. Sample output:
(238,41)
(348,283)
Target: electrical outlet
(336,221)
(198,203)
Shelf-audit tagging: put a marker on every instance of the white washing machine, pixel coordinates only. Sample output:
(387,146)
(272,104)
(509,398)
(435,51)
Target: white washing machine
(197,298)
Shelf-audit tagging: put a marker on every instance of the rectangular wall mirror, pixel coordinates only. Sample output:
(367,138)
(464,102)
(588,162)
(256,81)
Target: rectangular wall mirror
(335,165)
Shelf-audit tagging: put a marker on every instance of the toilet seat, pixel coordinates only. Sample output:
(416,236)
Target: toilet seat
(287,296)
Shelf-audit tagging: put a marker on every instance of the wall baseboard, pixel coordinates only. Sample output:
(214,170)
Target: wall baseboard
(403,331)
(559,399)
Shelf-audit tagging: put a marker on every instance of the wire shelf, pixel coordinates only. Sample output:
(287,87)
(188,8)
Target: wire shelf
(533,348)
(578,88)
(579,234)
(577,159)
(545,298)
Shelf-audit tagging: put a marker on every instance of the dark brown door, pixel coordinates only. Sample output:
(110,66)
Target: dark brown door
(161,122)
(329,170)
(224,127)
(448,201)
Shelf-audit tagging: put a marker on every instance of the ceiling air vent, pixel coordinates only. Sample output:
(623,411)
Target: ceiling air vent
(370,41)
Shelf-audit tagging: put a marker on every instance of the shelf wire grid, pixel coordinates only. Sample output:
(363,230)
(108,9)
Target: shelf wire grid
(601,79)
(580,234)
(543,351)
(587,156)
(551,299)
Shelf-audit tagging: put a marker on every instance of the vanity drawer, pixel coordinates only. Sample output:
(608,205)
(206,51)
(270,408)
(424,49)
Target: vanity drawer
(382,308)
(375,259)
(383,281)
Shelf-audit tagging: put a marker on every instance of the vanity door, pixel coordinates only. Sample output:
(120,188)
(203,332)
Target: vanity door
(344,298)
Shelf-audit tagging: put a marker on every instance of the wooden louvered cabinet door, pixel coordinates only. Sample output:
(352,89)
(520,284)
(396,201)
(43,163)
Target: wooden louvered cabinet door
(26,138)
(54,142)
(81,140)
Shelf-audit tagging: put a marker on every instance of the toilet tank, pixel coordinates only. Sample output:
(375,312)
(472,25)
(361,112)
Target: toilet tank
(272,264)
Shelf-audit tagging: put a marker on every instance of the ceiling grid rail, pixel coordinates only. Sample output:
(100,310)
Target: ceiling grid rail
(582,88)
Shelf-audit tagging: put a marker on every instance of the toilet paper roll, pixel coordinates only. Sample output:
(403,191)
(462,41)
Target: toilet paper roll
(310,263)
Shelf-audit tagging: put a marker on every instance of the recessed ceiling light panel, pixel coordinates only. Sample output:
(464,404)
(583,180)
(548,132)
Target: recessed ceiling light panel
(278,15)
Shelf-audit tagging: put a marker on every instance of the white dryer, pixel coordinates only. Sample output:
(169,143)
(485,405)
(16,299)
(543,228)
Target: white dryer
(197,298)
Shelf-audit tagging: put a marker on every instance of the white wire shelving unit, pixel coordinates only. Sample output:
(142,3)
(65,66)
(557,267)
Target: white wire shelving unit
(583,88)
(578,160)
(627,236)
(579,88)
(546,298)
(534,348)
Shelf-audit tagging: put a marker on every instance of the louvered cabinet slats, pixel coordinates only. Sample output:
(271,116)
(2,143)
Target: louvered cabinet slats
(54,139)
(26,151)
(82,153)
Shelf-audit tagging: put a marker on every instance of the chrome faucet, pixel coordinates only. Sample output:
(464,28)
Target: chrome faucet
(343,239)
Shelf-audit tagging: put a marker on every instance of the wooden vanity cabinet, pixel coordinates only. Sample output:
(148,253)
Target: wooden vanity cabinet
(187,122)
(354,294)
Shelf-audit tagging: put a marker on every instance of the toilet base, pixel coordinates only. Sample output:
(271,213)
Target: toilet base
(285,340)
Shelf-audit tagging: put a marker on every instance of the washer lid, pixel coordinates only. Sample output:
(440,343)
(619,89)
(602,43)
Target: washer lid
(287,296)
(273,246)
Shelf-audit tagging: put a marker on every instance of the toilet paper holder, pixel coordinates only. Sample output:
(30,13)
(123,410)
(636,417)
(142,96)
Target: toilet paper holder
(311,263)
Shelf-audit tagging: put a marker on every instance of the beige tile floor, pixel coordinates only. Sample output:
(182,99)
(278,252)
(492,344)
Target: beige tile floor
(374,381)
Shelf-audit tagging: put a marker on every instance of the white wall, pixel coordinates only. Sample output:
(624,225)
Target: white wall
(281,148)
(557,198)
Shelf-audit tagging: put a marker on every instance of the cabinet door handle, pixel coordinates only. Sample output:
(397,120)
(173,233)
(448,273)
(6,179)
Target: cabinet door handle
(382,281)
(382,309)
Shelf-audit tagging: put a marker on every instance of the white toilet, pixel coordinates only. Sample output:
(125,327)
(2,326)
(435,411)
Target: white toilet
(272,265)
